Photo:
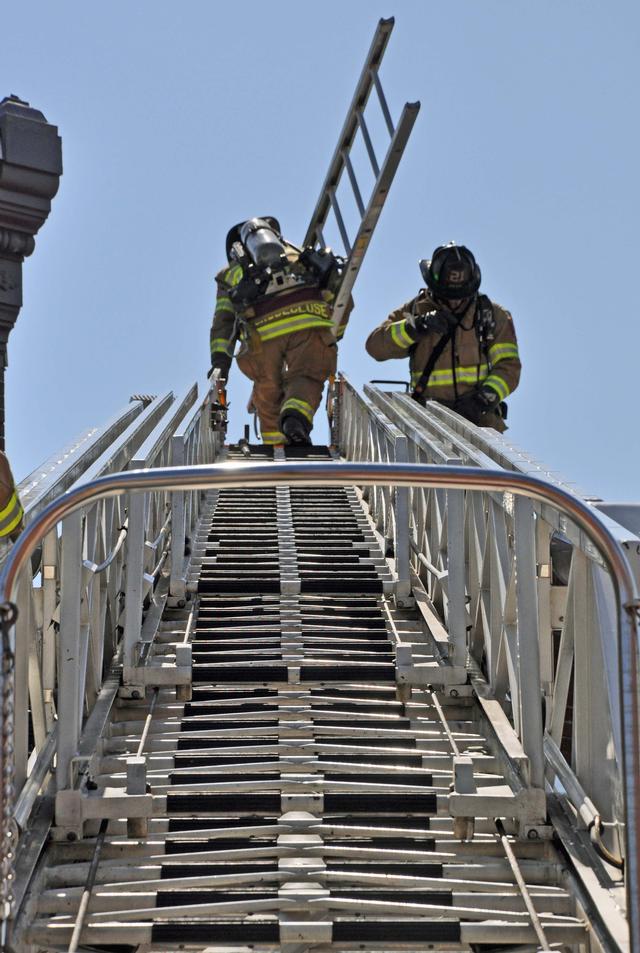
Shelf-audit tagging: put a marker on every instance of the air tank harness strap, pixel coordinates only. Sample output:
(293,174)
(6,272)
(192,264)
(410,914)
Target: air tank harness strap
(421,386)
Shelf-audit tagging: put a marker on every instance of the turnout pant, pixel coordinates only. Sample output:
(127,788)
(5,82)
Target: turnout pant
(288,375)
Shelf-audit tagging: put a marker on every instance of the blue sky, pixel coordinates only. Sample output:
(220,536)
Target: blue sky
(179,120)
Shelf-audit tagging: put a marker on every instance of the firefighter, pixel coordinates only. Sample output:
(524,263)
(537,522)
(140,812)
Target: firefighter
(11,512)
(277,301)
(461,346)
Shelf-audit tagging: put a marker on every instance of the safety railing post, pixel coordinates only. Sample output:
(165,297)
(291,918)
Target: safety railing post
(24,637)
(178,525)
(134,588)
(70,676)
(401,521)
(528,647)
(456,576)
(50,582)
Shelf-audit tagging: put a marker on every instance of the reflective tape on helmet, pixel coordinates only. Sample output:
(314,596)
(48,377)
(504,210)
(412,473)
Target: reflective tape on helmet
(499,385)
(11,515)
(400,336)
(502,352)
(272,437)
(300,405)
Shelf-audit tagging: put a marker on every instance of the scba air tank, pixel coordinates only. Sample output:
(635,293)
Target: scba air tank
(262,243)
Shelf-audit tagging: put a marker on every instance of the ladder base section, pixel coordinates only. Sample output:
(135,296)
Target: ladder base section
(301,798)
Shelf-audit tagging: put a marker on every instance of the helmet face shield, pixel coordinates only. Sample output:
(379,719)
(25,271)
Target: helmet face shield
(452,273)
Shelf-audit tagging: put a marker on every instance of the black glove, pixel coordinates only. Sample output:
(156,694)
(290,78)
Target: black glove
(477,403)
(441,321)
(221,362)
(488,397)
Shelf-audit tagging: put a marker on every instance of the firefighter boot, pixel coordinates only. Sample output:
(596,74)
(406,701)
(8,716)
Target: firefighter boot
(296,429)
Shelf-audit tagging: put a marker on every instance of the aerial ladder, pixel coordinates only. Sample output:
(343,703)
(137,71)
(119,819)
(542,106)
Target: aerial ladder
(376,695)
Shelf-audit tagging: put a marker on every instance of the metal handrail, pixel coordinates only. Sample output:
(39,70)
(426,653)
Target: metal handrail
(222,476)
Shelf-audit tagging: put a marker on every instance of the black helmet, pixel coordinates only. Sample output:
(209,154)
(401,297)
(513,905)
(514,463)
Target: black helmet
(452,272)
(234,233)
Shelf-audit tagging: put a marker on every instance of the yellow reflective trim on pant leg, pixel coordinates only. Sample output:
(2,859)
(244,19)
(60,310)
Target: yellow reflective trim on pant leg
(498,385)
(300,405)
(399,335)
(273,437)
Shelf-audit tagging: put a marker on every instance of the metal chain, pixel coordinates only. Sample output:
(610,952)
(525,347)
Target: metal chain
(8,831)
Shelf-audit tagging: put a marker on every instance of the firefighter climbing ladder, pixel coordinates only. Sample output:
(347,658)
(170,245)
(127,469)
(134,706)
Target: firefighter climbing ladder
(376,696)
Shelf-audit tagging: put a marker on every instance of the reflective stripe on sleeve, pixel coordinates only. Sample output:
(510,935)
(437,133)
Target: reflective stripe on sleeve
(501,352)
(497,384)
(399,335)
(300,405)
(221,345)
(233,275)
(224,306)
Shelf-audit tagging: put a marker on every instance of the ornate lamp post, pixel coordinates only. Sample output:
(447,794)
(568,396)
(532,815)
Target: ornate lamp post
(30,170)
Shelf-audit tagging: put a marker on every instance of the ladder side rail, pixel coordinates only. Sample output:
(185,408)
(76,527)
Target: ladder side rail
(149,528)
(504,575)
(349,129)
(93,564)
(194,442)
(39,655)
(63,468)
(118,456)
(439,518)
(459,477)
(45,483)
(498,449)
(474,447)
(450,534)
(383,173)
(98,579)
(381,442)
